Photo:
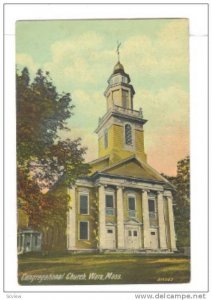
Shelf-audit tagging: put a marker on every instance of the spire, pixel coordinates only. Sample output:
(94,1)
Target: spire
(119,68)
(117,50)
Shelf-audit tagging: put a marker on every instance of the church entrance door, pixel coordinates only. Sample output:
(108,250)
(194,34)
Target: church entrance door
(110,241)
(132,237)
(154,239)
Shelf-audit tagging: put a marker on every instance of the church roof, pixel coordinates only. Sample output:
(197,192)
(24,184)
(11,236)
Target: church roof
(98,160)
(99,164)
(133,168)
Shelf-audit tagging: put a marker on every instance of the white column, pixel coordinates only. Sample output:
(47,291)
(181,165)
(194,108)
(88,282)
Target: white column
(31,242)
(102,222)
(146,226)
(23,241)
(161,221)
(71,226)
(19,242)
(171,224)
(120,217)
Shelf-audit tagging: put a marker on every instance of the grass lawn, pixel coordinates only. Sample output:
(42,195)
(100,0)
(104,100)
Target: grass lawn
(116,268)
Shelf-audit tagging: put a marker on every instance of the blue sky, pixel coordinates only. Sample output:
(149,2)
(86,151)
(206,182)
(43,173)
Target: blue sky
(80,56)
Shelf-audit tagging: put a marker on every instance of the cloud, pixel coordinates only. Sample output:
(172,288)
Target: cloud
(167,130)
(92,103)
(165,107)
(84,59)
(175,36)
(25,60)
(88,108)
(81,59)
(82,64)
(88,41)
(164,54)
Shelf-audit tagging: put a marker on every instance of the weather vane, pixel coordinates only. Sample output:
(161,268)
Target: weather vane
(117,50)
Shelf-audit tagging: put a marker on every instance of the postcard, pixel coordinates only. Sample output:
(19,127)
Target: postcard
(103,165)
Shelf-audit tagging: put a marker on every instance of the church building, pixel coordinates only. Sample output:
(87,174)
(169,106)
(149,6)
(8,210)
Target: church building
(123,204)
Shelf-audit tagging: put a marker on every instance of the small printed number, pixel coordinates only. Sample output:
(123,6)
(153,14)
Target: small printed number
(165,279)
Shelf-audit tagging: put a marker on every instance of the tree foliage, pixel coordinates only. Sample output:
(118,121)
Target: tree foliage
(43,158)
(182,202)
(41,111)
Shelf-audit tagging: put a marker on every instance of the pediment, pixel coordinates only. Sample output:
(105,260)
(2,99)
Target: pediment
(132,222)
(110,224)
(132,167)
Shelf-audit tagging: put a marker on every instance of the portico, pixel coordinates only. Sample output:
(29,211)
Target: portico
(132,215)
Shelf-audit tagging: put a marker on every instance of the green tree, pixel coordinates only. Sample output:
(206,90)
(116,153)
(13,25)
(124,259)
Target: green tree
(182,202)
(43,158)
(182,208)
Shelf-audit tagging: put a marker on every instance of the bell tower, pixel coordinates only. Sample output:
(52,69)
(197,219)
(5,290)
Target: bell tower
(119,91)
(120,130)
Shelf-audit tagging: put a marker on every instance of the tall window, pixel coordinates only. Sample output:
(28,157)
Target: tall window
(151,205)
(106,138)
(131,206)
(83,204)
(128,134)
(83,230)
(151,202)
(109,205)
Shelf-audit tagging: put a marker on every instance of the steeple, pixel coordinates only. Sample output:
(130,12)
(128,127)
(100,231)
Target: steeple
(120,130)
(117,50)
(119,90)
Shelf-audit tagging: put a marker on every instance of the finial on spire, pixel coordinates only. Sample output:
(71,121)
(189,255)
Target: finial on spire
(117,50)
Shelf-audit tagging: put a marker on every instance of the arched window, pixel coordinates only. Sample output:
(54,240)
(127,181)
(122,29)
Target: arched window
(128,134)
(106,138)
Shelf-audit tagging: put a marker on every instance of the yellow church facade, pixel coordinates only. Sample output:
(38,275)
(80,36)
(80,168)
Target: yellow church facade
(124,204)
